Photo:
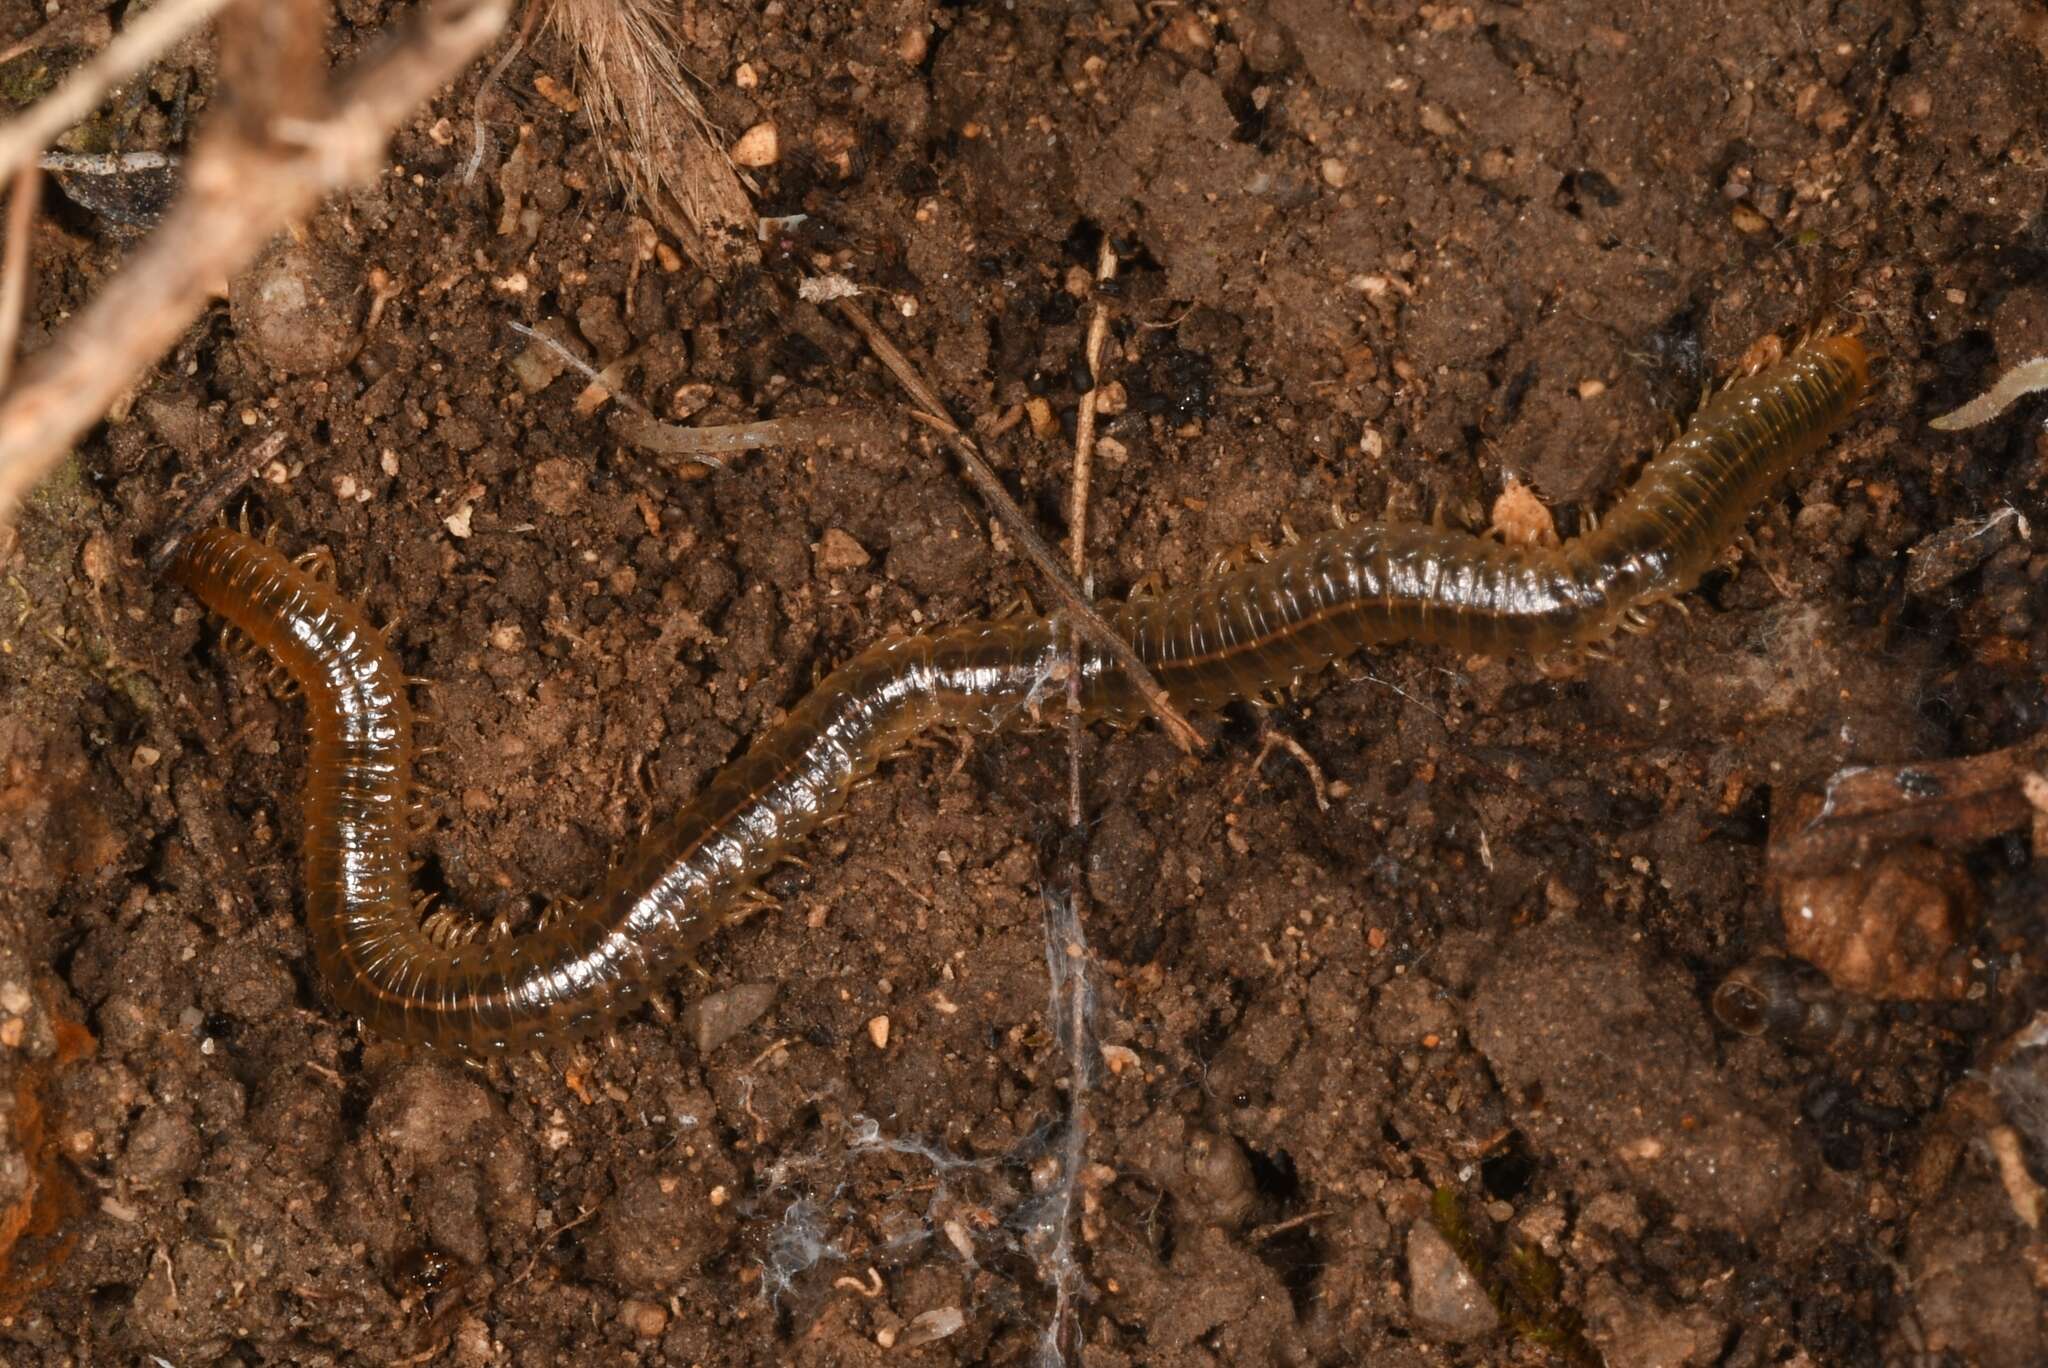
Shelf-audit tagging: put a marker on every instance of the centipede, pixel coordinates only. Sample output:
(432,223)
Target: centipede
(447,984)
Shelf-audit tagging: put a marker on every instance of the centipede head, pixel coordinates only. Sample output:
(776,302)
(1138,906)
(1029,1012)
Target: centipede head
(1849,350)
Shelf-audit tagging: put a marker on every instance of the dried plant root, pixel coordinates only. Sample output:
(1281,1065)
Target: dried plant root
(652,126)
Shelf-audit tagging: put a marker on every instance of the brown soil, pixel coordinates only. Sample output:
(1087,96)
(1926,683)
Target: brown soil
(1380,257)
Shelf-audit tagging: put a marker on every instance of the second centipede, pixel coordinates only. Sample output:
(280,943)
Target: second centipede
(1233,637)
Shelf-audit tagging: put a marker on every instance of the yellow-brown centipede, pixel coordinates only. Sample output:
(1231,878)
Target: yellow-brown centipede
(1233,637)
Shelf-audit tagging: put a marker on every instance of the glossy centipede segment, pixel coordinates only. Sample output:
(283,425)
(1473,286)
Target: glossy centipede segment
(1236,636)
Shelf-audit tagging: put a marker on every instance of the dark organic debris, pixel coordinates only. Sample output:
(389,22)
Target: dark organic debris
(1519,1280)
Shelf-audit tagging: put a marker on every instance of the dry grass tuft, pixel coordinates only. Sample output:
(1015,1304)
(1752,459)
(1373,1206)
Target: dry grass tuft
(654,130)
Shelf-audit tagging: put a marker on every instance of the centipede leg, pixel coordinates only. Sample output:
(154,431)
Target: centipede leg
(447,928)
(318,563)
(239,644)
(559,910)
(1772,566)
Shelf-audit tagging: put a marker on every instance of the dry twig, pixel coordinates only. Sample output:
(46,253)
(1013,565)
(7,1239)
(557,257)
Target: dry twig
(1865,810)
(1077,517)
(711,444)
(198,511)
(1271,738)
(21,217)
(1049,1232)
(245,179)
(984,479)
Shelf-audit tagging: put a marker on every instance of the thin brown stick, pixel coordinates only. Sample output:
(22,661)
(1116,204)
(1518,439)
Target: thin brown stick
(1864,810)
(139,44)
(547,1242)
(590,373)
(710,445)
(1077,518)
(1271,738)
(234,472)
(21,220)
(239,192)
(984,479)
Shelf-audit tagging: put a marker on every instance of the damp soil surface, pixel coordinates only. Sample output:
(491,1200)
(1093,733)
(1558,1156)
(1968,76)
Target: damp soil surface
(1360,1071)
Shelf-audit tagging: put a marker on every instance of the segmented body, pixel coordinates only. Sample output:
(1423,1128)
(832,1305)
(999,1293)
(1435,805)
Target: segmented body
(1236,636)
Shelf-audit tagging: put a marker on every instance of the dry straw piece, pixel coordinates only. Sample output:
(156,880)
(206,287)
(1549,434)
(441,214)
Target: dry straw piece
(653,128)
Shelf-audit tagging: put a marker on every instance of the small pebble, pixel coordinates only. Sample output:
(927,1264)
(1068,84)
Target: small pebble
(299,309)
(757,147)
(1043,421)
(1748,220)
(643,1318)
(931,1326)
(1447,1301)
(716,1019)
(878,1031)
(837,551)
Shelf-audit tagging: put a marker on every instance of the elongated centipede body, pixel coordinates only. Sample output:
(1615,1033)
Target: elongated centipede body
(1233,637)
